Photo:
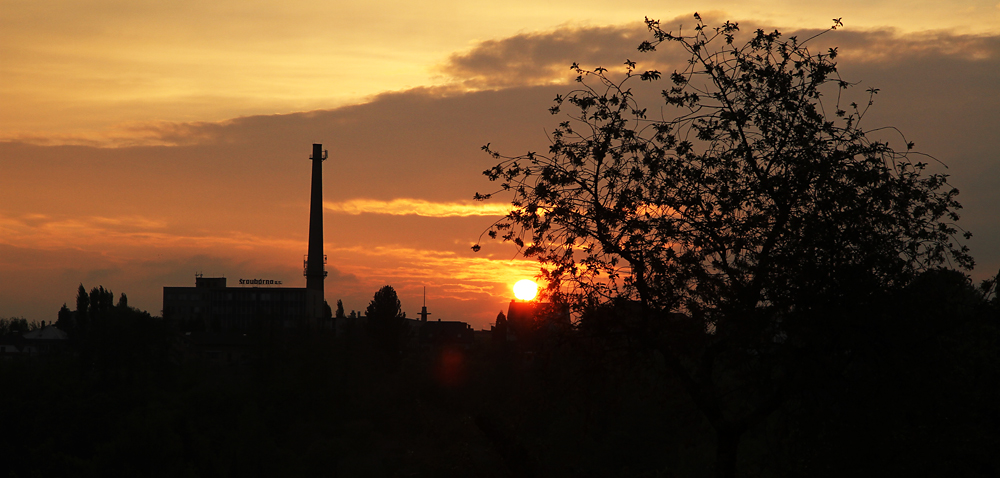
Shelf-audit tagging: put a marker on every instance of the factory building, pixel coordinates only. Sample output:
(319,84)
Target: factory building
(212,305)
(240,309)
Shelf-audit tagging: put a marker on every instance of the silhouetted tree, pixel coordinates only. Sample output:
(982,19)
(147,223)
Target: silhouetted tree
(101,300)
(16,325)
(327,311)
(384,304)
(991,294)
(118,342)
(82,311)
(386,323)
(738,239)
(340,309)
(65,318)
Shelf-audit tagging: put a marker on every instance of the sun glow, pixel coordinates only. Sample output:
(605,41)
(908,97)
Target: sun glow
(525,289)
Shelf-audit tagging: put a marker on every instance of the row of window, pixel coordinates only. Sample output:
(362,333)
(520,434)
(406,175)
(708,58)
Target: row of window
(289,310)
(253,296)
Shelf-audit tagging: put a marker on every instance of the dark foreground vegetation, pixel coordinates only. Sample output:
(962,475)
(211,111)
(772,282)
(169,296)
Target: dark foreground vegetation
(916,396)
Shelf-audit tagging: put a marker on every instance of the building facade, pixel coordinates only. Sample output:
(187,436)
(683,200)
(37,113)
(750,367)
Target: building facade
(213,306)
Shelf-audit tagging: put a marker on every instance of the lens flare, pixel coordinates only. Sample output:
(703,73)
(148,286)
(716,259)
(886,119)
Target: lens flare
(525,289)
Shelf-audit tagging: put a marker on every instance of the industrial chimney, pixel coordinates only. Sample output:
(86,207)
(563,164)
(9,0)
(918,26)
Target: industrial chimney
(315,270)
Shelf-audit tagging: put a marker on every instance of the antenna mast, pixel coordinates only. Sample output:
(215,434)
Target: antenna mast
(423,310)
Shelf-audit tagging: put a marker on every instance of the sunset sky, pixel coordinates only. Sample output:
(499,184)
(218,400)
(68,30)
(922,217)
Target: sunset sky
(142,142)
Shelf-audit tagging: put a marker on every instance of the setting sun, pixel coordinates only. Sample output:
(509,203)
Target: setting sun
(525,289)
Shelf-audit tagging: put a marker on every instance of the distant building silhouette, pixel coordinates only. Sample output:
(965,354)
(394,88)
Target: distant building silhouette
(441,332)
(498,331)
(446,332)
(43,341)
(218,308)
(212,306)
(526,321)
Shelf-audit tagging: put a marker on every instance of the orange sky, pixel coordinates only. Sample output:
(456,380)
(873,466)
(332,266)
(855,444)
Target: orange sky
(144,142)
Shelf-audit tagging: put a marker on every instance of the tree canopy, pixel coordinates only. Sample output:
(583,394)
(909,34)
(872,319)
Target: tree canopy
(753,194)
(384,304)
(742,230)
(386,325)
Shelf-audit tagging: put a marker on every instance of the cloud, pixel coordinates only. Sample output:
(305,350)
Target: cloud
(541,58)
(891,47)
(118,235)
(417,207)
(422,263)
(544,57)
(129,134)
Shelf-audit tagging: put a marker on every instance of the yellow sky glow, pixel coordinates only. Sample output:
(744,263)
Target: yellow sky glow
(78,69)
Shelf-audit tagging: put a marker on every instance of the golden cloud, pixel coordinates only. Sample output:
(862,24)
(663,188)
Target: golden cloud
(115,236)
(417,207)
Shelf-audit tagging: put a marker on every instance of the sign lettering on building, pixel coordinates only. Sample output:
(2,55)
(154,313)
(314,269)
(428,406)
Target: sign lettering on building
(259,282)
